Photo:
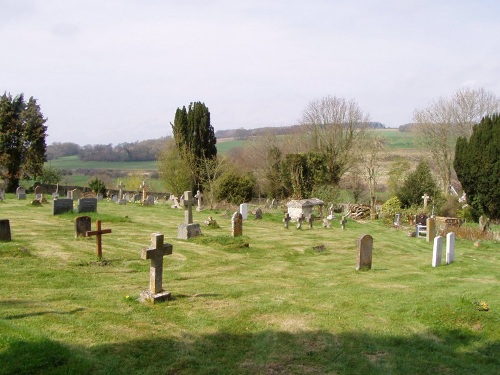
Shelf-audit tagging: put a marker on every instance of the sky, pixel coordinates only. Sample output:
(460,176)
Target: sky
(114,71)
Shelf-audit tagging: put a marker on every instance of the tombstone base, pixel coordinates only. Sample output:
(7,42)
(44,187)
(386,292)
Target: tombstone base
(187,231)
(147,296)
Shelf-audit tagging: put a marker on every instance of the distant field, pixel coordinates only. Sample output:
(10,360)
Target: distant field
(398,140)
(72,162)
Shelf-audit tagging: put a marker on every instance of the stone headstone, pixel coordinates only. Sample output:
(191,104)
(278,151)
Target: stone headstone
(300,220)
(431,229)
(99,196)
(188,229)
(274,203)
(114,198)
(310,220)
(397,220)
(87,205)
(62,205)
(136,198)
(199,197)
(2,194)
(326,223)
(343,222)
(425,197)
(450,248)
(244,211)
(437,251)
(5,230)
(21,193)
(155,253)
(237,224)
(365,249)
(83,224)
(77,194)
(258,213)
(38,192)
(287,219)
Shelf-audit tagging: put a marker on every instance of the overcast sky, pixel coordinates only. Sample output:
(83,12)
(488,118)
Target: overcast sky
(113,71)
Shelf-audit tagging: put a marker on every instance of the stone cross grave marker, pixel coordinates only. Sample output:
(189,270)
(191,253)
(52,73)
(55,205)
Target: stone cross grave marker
(188,207)
(83,224)
(237,224)
(156,253)
(425,197)
(5,230)
(98,233)
(244,211)
(143,188)
(188,229)
(287,219)
(450,248)
(120,193)
(199,197)
(21,192)
(365,249)
(258,213)
(437,251)
(431,229)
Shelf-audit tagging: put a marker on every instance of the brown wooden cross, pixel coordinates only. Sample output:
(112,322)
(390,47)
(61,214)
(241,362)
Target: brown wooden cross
(155,253)
(98,233)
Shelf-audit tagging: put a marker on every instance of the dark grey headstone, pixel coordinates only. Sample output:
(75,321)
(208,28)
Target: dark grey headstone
(83,224)
(5,230)
(87,205)
(62,205)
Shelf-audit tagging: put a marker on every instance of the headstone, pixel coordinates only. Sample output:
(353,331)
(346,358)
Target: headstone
(258,213)
(450,248)
(199,197)
(365,249)
(275,203)
(149,201)
(287,219)
(411,219)
(2,194)
(237,224)
(77,194)
(310,220)
(98,233)
(326,223)
(425,197)
(21,192)
(126,197)
(343,222)
(156,253)
(5,230)
(188,229)
(431,229)
(120,199)
(83,224)
(136,198)
(300,220)
(114,198)
(397,220)
(143,188)
(87,205)
(244,211)
(62,205)
(99,196)
(437,251)
(38,192)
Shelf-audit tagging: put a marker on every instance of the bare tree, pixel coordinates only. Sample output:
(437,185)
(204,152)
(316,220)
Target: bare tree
(336,128)
(370,163)
(444,120)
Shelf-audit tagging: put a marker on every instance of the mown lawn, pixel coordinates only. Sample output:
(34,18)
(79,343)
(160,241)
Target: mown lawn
(266,303)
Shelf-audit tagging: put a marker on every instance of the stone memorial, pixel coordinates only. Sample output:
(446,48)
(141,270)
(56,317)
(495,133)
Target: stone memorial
(120,199)
(343,222)
(100,196)
(258,213)
(425,197)
(286,220)
(143,187)
(155,253)
(274,203)
(437,251)
(310,220)
(397,220)
(305,207)
(450,248)
(5,230)
(2,194)
(365,250)
(199,197)
(38,192)
(244,211)
(300,220)
(188,229)
(431,229)
(237,224)
(83,224)
(77,194)
(98,233)
(87,205)
(62,205)
(21,192)
(326,223)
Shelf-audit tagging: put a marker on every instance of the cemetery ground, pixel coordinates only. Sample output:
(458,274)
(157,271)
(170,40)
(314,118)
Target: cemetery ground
(263,303)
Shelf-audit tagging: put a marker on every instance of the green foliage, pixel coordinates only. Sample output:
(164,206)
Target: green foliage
(235,188)
(50,175)
(274,179)
(391,207)
(22,139)
(416,184)
(477,163)
(327,193)
(302,172)
(97,186)
(174,170)
(397,171)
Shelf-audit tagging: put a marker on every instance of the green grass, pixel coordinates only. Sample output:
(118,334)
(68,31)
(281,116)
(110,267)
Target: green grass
(274,306)
(72,162)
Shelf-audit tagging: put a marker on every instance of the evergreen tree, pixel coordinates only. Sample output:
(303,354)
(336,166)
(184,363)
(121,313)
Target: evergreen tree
(477,163)
(416,184)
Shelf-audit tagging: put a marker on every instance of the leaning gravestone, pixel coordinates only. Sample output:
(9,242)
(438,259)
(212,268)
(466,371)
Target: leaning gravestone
(5,230)
(237,224)
(83,224)
(62,205)
(450,248)
(188,229)
(365,249)
(87,205)
(437,251)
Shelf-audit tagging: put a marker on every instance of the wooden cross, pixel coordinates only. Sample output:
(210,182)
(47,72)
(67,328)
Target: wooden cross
(98,233)
(155,253)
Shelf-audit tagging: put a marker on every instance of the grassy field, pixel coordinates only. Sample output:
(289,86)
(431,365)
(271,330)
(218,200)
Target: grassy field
(275,306)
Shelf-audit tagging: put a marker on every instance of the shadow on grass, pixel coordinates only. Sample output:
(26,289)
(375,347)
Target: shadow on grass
(267,352)
(20,316)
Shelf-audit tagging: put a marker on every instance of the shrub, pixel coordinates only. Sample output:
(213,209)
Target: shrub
(234,188)
(97,186)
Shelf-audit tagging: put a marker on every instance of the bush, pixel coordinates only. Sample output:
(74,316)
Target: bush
(234,188)
(390,208)
(97,186)
(416,184)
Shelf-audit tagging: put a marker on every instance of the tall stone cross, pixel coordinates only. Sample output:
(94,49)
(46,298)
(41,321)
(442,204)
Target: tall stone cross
(425,197)
(98,233)
(143,188)
(155,253)
(188,207)
(120,186)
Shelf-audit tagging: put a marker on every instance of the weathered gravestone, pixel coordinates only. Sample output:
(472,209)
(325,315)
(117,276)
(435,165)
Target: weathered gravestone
(188,229)
(120,199)
(258,213)
(62,205)
(87,205)
(437,251)
(98,233)
(76,194)
(20,192)
(237,224)
(244,211)
(199,197)
(287,219)
(397,220)
(425,197)
(365,250)
(83,224)
(2,194)
(343,222)
(450,248)
(5,230)
(326,223)
(38,192)
(274,203)
(431,229)
(156,253)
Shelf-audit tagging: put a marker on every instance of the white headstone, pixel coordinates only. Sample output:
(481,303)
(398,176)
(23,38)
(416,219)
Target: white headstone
(244,211)
(437,251)
(450,248)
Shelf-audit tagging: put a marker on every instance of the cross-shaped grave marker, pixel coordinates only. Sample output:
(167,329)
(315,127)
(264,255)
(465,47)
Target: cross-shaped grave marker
(155,253)
(188,207)
(143,188)
(425,197)
(98,233)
